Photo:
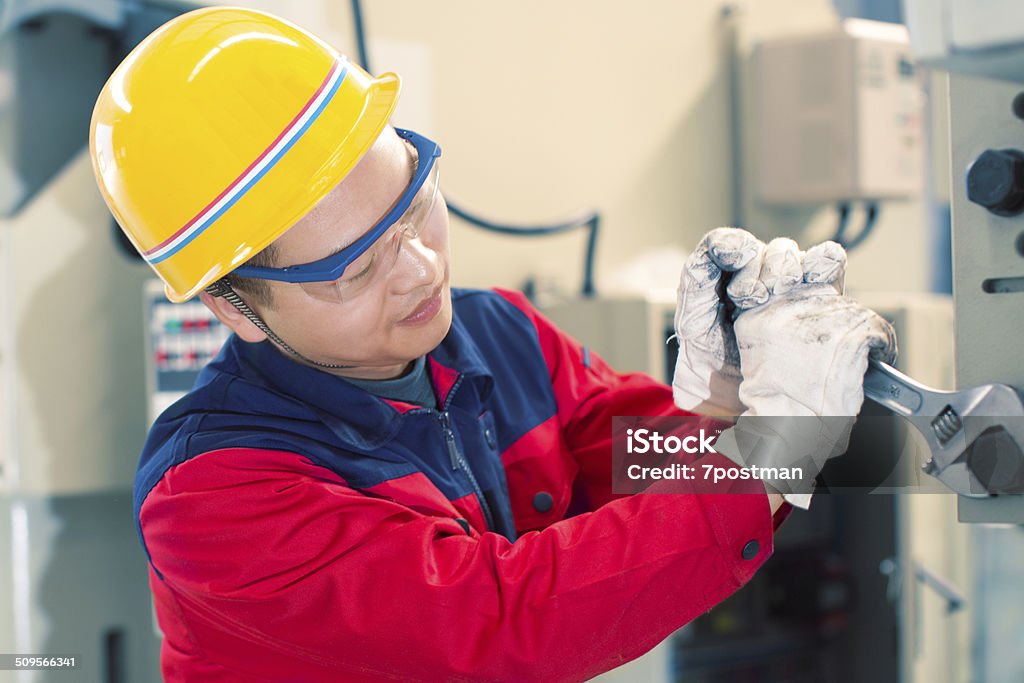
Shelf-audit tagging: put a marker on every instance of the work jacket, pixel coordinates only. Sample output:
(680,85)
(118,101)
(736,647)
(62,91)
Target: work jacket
(299,528)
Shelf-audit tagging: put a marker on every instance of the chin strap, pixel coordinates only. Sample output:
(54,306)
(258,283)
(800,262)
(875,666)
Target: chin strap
(222,289)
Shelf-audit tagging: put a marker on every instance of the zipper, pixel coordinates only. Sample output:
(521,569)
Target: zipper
(459,463)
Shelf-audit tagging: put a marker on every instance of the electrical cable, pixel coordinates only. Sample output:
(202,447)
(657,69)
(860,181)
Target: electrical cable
(843,209)
(357,20)
(870,221)
(591,221)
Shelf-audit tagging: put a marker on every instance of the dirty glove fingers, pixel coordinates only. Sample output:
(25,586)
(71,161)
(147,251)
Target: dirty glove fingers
(881,340)
(783,267)
(698,292)
(732,248)
(745,288)
(699,278)
(864,334)
(825,263)
(722,248)
(873,337)
(707,375)
(806,352)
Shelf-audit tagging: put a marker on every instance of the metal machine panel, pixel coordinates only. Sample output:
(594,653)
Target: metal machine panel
(72,423)
(75,583)
(985,24)
(74,364)
(50,71)
(629,332)
(980,37)
(988,260)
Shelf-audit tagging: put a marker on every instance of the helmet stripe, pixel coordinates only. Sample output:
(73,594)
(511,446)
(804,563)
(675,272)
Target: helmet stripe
(256,170)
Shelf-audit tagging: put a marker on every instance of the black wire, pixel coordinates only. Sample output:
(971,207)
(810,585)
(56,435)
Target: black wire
(870,221)
(843,208)
(357,19)
(591,221)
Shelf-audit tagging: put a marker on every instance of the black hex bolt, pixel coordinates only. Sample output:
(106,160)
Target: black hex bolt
(995,180)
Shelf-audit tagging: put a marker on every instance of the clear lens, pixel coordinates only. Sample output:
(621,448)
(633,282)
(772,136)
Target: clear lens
(377,261)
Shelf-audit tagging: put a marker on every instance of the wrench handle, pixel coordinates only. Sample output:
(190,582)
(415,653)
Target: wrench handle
(889,387)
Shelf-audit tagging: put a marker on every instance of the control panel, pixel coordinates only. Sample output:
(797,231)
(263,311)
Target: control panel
(181,340)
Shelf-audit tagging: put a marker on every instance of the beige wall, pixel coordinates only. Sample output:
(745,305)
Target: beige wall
(545,109)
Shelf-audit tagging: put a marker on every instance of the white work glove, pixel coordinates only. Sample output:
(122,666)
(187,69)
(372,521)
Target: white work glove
(804,349)
(707,373)
(803,346)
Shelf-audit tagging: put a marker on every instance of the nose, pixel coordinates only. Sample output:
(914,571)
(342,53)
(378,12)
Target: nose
(416,265)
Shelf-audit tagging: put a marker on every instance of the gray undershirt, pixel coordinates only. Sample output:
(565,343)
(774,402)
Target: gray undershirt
(412,387)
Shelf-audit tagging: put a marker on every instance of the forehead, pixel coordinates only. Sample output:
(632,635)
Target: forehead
(353,207)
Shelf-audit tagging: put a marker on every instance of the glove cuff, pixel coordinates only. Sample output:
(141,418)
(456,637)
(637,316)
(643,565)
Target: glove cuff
(786,453)
(716,393)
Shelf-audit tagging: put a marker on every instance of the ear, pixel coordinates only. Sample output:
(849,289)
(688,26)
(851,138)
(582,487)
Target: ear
(233,318)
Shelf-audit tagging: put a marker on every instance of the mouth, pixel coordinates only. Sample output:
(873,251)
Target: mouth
(426,310)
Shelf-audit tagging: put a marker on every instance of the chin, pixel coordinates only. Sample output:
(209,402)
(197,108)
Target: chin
(425,338)
(443,322)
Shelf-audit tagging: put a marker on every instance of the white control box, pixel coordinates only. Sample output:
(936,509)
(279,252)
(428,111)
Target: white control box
(838,116)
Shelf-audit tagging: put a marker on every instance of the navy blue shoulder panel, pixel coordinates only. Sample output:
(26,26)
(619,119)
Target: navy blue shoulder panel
(506,339)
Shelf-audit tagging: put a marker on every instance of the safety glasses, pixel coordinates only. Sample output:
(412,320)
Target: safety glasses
(344,274)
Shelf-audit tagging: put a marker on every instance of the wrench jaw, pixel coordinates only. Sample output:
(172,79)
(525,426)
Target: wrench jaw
(976,436)
(958,477)
(976,442)
(947,462)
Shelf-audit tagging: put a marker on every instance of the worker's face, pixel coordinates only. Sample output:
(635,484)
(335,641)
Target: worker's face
(400,314)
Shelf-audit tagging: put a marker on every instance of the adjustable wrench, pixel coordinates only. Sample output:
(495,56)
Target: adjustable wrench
(975,435)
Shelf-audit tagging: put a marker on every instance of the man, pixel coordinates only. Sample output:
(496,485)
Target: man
(379,477)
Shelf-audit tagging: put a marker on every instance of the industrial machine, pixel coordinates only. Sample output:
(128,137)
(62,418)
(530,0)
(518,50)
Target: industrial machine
(980,42)
(72,391)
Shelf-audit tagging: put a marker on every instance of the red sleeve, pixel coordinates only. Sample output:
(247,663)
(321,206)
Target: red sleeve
(280,571)
(589,393)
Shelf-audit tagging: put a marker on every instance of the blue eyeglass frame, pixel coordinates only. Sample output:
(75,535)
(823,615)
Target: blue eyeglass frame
(333,267)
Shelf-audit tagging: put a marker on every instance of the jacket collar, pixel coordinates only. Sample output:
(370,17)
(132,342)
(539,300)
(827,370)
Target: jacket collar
(354,415)
(457,358)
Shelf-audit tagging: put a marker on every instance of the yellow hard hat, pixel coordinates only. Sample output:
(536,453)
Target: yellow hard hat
(221,130)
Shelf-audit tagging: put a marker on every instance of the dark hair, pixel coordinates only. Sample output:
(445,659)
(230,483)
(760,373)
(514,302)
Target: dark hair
(257,289)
